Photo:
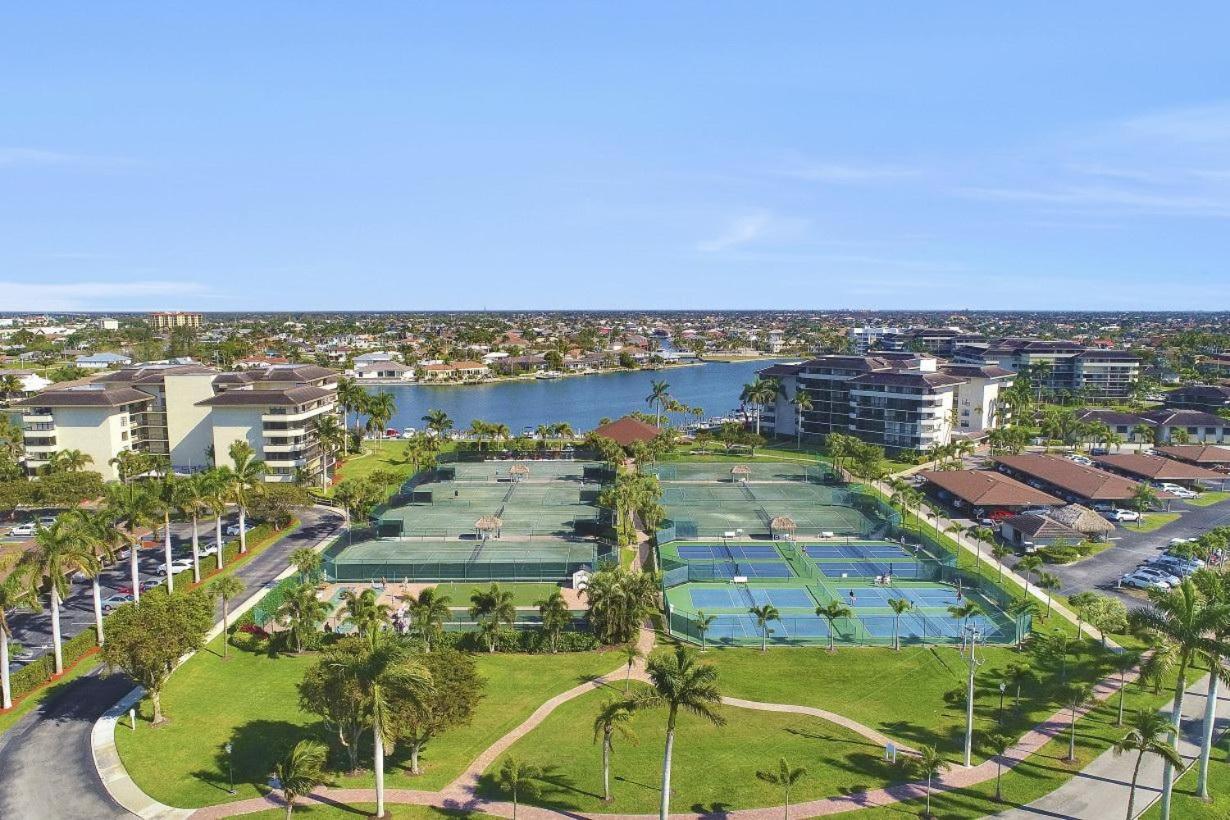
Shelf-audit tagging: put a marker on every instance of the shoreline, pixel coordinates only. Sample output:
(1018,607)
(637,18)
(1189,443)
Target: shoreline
(533,378)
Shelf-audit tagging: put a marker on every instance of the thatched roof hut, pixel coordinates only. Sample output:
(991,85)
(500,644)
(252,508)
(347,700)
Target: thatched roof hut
(488,524)
(1083,520)
(782,525)
(519,471)
(740,472)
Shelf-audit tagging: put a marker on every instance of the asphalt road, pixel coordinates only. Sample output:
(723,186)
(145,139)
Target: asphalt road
(46,763)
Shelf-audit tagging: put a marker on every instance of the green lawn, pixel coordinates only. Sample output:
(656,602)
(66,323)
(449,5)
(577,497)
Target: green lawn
(385,454)
(251,701)
(1153,521)
(713,767)
(1209,498)
(1185,805)
(319,811)
(524,594)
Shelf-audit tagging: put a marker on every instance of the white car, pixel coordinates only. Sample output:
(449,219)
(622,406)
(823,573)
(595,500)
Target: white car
(23,530)
(1142,581)
(233,529)
(1122,515)
(177,566)
(1158,574)
(204,550)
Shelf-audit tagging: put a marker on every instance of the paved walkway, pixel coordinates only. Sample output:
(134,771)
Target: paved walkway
(1101,789)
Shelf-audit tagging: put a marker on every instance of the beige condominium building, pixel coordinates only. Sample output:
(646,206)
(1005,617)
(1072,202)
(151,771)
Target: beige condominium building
(189,413)
(168,319)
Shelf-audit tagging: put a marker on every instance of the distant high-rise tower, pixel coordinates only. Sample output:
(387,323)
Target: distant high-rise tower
(167,319)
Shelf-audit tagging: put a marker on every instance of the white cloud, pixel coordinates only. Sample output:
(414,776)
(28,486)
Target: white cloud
(1195,124)
(848,173)
(40,296)
(741,231)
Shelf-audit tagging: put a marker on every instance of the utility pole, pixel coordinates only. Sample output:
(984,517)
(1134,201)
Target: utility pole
(969,696)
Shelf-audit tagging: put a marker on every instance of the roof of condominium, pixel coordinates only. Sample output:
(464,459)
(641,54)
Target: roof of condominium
(1210,392)
(290,396)
(1186,418)
(1156,468)
(907,378)
(987,488)
(980,371)
(1077,479)
(627,430)
(778,370)
(1114,417)
(1197,453)
(151,374)
(85,395)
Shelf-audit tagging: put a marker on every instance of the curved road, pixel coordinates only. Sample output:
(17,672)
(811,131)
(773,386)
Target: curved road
(46,760)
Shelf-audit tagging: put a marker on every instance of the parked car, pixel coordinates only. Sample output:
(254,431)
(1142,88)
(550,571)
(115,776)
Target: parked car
(1035,511)
(1098,451)
(112,602)
(45,520)
(207,549)
(23,530)
(1122,515)
(1140,581)
(151,583)
(1177,564)
(233,529)
(1175,553)
(1169,578)
(177,566)
(1080,460)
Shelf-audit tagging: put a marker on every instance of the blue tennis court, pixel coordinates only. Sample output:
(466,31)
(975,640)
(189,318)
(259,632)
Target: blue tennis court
(870,569)
(733,628)
(856,551)
(737,598)
(701,552)
(923,597)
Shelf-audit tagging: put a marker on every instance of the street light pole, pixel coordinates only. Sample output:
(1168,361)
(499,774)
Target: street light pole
(1002,688)
(230,770)
(969,697)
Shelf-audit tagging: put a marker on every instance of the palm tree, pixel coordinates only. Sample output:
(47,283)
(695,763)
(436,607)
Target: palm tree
(703,622)
(613,718)
(382,670)
(899,606)
(15,591)
(307,561)
(928,764)
(364,611)
(831,612)
(679,682)
(1021,609)
(380,409)
(133,509)
(301,771)
(100,533)
(1015,675)
(555,617)
(764,614)
(70,461)
(802,403)
(1180,618)
(783,776)
(302,613)
(1077,695)
(999,552)
(164,493)
(1050,582)
(429,612)
(351,396)
(518,778)
(659,394)
(491,609)
(59,551)
(1215,586)
(228,587)
(961,613)
(1122,663)
(247,475)
(332,437)
(438,421)
(1000,743)
(1027,566)
(1146,737)
(631,653)
(216,486)
(191,498)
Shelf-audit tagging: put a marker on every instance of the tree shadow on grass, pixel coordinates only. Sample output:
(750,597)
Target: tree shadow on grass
(556,790)
(256,747)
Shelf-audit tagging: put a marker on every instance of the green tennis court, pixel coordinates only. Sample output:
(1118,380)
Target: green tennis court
(394,560)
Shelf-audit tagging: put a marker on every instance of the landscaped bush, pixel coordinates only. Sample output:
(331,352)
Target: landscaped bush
(527,641)
(38,672)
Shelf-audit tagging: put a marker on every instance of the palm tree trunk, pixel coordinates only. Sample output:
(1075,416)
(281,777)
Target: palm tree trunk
(6,690)
(1132,789)
(1072,735)
(218,538)
(98,616)
(1122,696)
(166,551)
(1175,730)
(665,808)
(55,629)
(243,530)
(196,553)
(999,773)
(134,569)
(378,741)
(606,768)
(1206,742)
(225,613)
(290,806)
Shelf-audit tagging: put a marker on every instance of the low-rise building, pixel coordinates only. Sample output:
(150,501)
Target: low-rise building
(455,371)
(1207,398)
(1068,480)
(99,420)
(1159,469)
(102,361)
(1202,455)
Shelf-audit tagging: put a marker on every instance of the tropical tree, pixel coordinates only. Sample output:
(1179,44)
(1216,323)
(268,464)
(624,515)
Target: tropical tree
(455,691)
(100,534)
(1215,586)
(302,613)
(380,409)
(760,394)
(329,691)
(438,421)
(1146,737)
(519,779)
(1016,674)
(164,493)
(14,592)
(246,476)
(928,764)
(899,606)
(1122,663)
(619,602)
(351,396)
(227,588)
(1050,582)
(216,488)
(631,653)
(69,461)
(134,509)
(555,616)
(1180,618)
(307,561)
(783,776)
(491,609)
(364,611)
(659,395)
(59,551)
(961,613)
(1143,499)
(1000,743)
(428,614)
(191,499)
(1027,566)
(612,719)
(764,614)
(301,771)
(1076,696)
(703,623)
(332,437)
(679,682)
(1021,609)
(831,612)
(802,403)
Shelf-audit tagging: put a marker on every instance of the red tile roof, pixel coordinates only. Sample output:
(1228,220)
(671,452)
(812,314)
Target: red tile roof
(627,430)
(986,488)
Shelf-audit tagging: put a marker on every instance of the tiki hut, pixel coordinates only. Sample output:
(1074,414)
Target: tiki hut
(740,472)
(782,527)
(488,527)
(1082,519)
(518,471)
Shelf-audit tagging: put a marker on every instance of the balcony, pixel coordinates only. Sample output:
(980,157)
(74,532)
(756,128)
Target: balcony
(302,415)
(37,415)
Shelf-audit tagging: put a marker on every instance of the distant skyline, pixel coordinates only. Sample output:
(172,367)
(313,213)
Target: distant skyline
(705,155)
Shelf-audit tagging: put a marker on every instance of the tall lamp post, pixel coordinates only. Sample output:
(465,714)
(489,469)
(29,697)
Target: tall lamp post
(1003,687)
(230,770)
(974,634)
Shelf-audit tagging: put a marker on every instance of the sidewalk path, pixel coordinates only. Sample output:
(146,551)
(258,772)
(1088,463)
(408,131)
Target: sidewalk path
(1101,789)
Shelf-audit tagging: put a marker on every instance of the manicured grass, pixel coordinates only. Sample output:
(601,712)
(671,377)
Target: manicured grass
(524,594)
(1185,805)
(866,684)
(1153,521)
(712,766)
(251,701)
(33,700)
(320,811)
(1209,498)
(387,455)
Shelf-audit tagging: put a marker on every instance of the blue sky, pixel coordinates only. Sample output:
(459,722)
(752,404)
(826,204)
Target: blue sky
(614,155)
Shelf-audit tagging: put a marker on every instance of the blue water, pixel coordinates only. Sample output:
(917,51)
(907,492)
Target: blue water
(579,400)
